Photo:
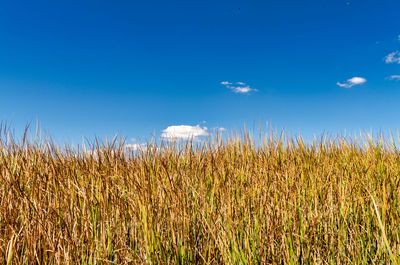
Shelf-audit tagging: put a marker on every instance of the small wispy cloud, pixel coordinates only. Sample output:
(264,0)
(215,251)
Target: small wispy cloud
(394,77)
(238,87)
(393,57)
(352,82)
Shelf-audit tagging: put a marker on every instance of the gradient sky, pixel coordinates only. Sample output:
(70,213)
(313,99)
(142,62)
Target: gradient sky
(134,68)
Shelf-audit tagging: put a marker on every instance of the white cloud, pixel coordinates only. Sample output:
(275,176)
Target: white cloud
(136,147)
(393,57)
(239,87)
(243,89)
(352,82)
(184,132)
(394,77)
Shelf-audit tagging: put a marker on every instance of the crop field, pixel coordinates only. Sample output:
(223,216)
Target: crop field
(223,201)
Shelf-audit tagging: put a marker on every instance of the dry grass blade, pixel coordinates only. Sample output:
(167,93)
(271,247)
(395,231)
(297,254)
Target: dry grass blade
(382,227)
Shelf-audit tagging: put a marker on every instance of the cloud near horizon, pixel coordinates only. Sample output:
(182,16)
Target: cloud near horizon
(136,147)
(183,132)
(393,57)
(186,132)
(352,82)
(238,87)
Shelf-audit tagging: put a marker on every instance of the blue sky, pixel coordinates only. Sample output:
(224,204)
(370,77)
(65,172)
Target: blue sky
(135,68)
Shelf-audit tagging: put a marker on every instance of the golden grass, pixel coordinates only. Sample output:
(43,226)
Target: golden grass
(333,201)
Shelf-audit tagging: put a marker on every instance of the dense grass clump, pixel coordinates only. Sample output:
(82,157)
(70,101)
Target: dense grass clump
(282,201)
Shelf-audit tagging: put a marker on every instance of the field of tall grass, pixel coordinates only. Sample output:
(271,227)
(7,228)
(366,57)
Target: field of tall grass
(222,201)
